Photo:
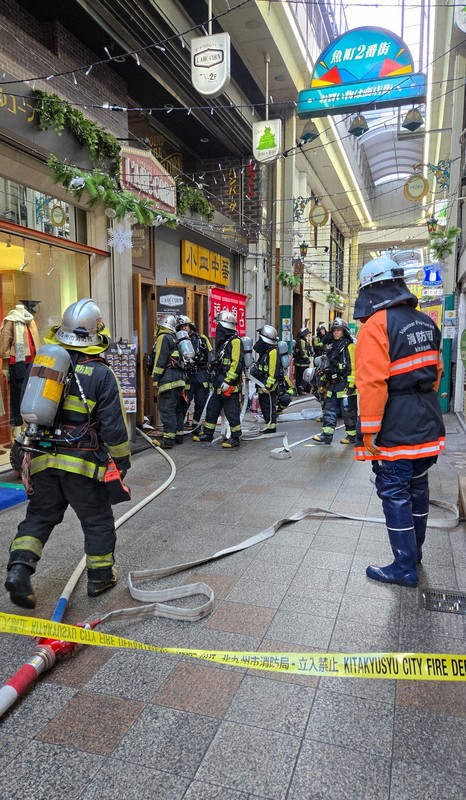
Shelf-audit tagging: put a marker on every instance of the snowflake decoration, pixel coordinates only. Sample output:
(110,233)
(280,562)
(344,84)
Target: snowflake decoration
(120,237)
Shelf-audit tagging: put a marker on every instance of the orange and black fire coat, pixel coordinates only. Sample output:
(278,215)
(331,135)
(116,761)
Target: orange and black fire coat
(398,371)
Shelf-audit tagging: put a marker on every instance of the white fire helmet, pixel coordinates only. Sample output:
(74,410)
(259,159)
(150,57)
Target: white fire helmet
(166,320)
(268,334)
(183,320)
(81,324)
(227,319)
(338,322)
(379,269)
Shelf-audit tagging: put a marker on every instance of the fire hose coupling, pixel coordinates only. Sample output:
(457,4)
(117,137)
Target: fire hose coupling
(55,647)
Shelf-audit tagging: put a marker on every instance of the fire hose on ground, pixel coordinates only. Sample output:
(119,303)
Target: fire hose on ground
(46,651)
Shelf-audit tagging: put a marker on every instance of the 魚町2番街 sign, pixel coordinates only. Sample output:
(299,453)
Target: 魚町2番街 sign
(363,68)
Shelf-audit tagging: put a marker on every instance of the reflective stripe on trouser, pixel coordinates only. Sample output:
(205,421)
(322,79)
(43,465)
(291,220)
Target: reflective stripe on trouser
(230,406)
(348,408)
(172,412)
(54,490)
(268,404)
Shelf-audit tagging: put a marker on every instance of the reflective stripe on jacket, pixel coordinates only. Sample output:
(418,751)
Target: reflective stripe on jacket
(268,369)
(302,352)
(167,373)
(108,419)
(398,371)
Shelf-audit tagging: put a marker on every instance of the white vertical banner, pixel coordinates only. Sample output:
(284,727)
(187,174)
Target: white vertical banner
(210,64)
(267,139)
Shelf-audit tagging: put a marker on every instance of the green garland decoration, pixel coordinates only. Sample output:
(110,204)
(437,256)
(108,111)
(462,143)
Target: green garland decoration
(289,280)
(102,188)
(54,112)
(442,242)
(193,199)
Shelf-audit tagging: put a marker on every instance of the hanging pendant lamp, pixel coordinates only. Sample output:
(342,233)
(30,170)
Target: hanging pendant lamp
(358,125)
(413,120)
(309,132)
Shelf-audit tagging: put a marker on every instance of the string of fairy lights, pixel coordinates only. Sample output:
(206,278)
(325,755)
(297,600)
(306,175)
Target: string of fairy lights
(198,178)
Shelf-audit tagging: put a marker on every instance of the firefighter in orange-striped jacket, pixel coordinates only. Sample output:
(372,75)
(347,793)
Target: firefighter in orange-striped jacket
(398,371)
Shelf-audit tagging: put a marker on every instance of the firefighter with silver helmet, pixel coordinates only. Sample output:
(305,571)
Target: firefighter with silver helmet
(198,373)
(68,467)
(267,370)
(398,372)
(302,353)
(338,370)
(168,378)
(227,368)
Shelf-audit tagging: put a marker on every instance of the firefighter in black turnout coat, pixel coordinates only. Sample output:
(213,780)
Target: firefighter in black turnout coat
(169,380)
(68,467)
(267,370)
(337,369)
(198,374)
(227,367)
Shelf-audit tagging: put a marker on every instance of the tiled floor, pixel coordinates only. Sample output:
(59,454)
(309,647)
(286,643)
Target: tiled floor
(148,726)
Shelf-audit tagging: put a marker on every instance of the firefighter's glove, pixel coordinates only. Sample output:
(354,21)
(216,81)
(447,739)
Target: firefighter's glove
(224,387)
(369,444)
(122,465)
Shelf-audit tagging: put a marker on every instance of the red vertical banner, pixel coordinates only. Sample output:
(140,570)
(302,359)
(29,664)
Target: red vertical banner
(223,300)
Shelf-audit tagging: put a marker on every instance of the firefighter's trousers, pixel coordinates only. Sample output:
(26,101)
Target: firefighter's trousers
(268,404)
(347,407)
(54,491)
(171,409)
(231,406)
(301,385)
(403,487)
(199,392)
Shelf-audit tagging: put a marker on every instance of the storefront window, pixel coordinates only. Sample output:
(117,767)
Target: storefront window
(45,279)
(41,212)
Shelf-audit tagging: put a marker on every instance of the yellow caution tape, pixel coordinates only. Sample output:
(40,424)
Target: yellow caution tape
(398,666)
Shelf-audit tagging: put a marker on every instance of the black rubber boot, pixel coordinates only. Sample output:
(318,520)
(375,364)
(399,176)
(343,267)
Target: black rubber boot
(403,570)
(18,584)
(231,442)
(322,438)
(167,444)
(179,438)
(101,580)
(203,437)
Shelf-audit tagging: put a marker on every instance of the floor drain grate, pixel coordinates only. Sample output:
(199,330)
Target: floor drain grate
(444,600)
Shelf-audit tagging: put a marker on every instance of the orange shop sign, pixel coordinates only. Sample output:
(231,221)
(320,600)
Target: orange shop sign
(143,175)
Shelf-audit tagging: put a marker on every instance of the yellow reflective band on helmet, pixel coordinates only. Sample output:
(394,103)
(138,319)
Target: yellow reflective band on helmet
(27,543)
(393,666)
(91,349)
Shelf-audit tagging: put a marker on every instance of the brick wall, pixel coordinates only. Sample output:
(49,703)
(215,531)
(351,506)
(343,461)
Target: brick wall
(30,49)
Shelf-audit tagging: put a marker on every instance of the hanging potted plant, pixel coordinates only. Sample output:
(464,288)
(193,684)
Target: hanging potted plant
(191,198)
(289,280)
(334,299)
(442,242)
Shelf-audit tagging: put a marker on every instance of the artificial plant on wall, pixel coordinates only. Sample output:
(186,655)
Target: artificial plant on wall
(103,188)
(191,198)
(54,112)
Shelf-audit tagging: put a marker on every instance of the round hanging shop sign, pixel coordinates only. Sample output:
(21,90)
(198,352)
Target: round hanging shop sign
(318,215)
(416,187)
(57,216)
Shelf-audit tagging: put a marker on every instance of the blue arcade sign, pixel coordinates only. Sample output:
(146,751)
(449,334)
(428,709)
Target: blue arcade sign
(362,69)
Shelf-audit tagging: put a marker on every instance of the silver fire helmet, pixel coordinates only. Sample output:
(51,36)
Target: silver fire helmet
(227,319)
(81,324)
(167,320)
(268,334)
